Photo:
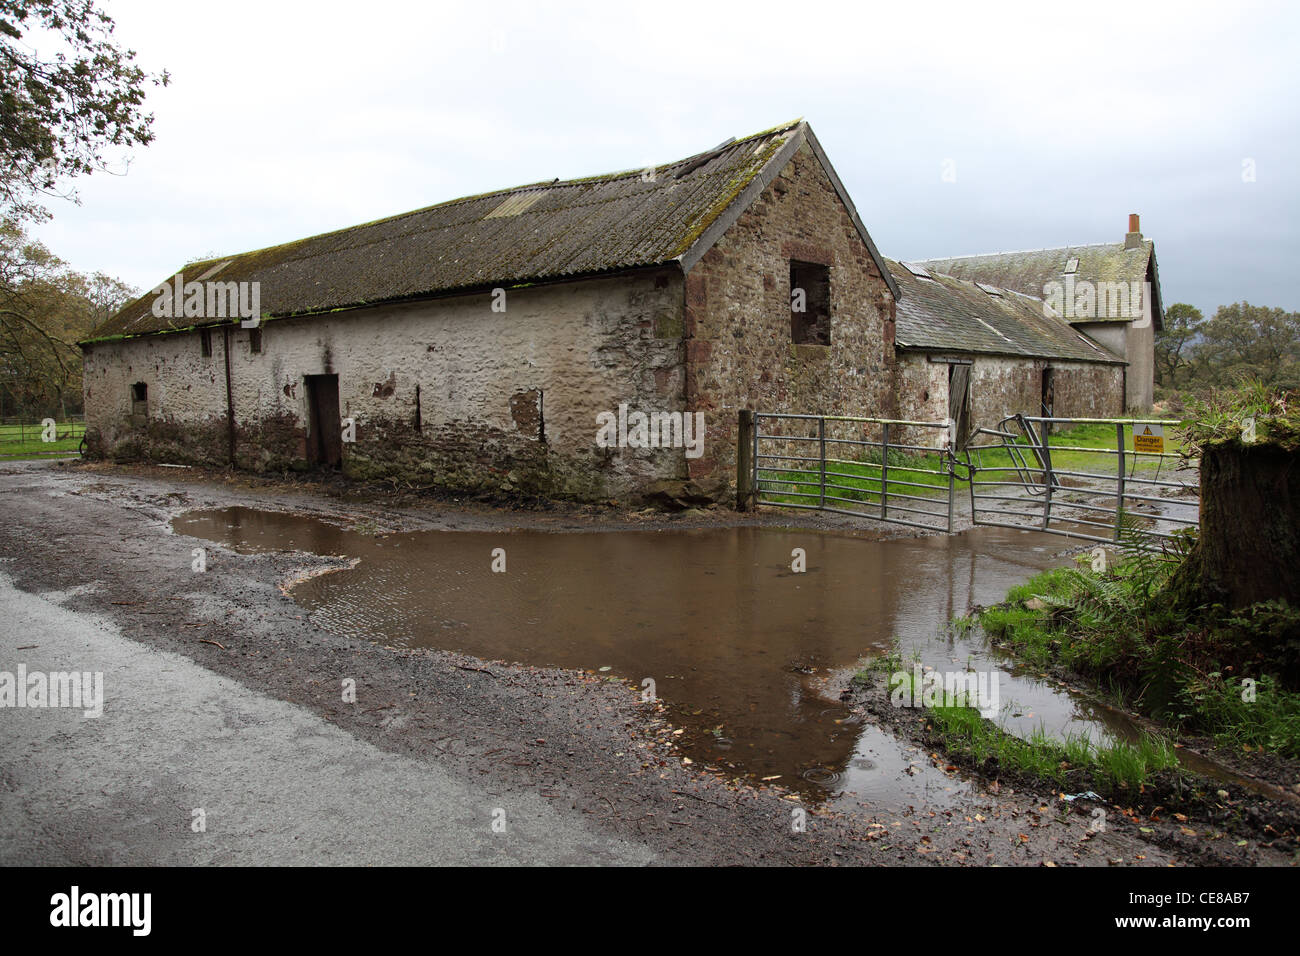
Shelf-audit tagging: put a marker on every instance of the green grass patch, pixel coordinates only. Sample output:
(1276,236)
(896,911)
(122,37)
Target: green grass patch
(964,731)
(924,474)
(1227,675)
(25,441)
(887,664)
(1116,764)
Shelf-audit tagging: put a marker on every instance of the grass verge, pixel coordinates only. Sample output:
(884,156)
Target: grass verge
(1074,762)
(1227,675)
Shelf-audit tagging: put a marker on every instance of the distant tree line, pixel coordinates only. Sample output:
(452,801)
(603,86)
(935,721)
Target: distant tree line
(45,308)
(1239,342)
(71,104)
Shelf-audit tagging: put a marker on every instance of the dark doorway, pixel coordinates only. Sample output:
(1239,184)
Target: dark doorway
(1049,392)
(139,404)
(1048,401)
(325,428)
(959,404)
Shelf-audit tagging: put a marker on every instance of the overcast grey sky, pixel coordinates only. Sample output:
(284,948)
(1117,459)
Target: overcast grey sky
(284,120)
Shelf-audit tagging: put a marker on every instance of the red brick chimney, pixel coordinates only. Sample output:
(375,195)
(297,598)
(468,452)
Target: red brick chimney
(1134,238)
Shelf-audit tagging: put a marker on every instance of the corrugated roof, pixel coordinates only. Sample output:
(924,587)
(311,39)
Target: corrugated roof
(543,232)
(1030,271)
(946,314)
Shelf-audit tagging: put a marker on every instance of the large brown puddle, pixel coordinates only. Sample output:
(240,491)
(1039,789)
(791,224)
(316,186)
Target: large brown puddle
(731,636)
(733,639)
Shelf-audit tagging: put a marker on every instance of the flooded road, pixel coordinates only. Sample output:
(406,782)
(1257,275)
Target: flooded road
(732,638)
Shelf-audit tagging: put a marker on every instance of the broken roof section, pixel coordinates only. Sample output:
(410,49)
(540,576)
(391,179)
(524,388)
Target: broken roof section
(940,313)
(544,232)
(1030,272)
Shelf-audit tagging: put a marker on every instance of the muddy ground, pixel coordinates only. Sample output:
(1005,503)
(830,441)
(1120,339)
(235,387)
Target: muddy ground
(584,742)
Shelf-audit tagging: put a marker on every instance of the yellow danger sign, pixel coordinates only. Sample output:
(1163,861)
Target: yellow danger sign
(1149,438)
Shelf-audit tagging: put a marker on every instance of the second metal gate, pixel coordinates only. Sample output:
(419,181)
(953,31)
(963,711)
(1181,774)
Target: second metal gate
(1113,491)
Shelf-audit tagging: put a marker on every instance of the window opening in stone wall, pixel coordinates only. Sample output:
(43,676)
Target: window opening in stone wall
(810,303)
(139,402)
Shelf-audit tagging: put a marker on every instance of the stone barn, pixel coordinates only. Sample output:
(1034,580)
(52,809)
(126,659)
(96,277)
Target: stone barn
(1110,291)
(591,338)
(974,353)
(476,344)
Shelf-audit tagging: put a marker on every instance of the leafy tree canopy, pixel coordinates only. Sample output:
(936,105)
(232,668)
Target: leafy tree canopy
(70,98)
(1240,342)
(1172,345)
(1250,341)
(45,308)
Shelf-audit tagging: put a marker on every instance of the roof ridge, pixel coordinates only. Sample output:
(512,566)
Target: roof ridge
(1021,252)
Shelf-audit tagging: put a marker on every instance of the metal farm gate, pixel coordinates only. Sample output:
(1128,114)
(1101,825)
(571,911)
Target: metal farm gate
(1121,487)
(1109,480)
(896,471)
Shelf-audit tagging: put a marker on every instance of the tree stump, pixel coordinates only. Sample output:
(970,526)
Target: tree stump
(1249,544)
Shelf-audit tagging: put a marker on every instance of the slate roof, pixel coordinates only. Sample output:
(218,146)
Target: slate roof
(547,231)
(946,314)
(1030,271)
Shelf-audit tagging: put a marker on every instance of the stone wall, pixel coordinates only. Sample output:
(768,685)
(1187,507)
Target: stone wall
(507,399)
(738,318)
(1002,386)
(1089,391)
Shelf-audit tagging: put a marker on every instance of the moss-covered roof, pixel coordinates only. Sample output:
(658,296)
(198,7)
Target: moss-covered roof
(1030,271)
(946,314)
(542,232)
